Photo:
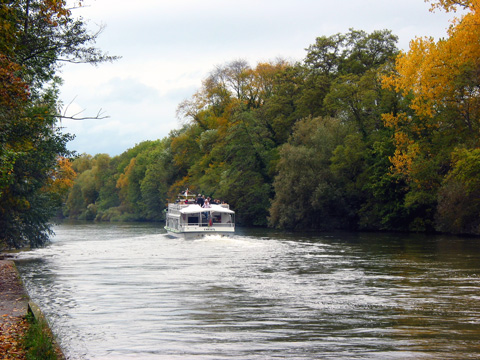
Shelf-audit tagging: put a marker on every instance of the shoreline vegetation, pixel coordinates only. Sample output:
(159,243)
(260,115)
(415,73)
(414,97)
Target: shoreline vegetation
(357,136)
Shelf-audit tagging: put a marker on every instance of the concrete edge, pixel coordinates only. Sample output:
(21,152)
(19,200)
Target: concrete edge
(34,309)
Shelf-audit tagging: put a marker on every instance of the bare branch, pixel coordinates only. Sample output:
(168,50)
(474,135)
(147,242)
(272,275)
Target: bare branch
(99,116)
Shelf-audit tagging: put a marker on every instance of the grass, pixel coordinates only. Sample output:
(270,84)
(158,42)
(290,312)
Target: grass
(38,341)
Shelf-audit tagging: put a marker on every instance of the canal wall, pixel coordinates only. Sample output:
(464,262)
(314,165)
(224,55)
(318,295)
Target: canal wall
(16,304)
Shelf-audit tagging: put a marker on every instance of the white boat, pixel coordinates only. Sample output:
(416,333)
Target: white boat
(190,220)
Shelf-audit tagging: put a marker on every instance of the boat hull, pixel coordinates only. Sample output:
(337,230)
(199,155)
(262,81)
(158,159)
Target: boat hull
(199,233)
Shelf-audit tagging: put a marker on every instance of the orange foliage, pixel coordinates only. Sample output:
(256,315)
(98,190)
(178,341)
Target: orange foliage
(123,180)
(430,69)
(62,177)
(13,90)
(180,186)
(56,12)
(448,5)
(264,78)
(440,75)
(405,153)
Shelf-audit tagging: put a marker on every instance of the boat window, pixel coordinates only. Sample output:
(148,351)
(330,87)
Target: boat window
(193,219)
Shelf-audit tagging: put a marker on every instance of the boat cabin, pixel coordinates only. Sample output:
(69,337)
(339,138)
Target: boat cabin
(191,220)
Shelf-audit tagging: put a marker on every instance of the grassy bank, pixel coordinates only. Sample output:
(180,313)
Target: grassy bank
(39,342)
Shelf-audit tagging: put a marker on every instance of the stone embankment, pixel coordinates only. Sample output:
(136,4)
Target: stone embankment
(15,304)
(13,309)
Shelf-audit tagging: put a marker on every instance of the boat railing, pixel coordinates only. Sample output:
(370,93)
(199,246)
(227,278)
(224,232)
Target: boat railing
(180,206)
(214,225)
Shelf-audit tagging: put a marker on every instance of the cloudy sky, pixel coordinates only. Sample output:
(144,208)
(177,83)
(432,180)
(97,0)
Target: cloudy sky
(169,46)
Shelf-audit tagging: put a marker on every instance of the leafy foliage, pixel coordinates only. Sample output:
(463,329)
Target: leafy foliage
(305,193)
(131,186)
(440,79)
(254,137)
(459,195)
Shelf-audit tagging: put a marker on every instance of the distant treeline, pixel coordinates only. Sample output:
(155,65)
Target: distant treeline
(356,136)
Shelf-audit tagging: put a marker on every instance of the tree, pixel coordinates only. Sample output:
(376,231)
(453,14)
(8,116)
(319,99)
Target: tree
(154,186)
(323,180)
(441,81)
(305,194)
(459,196)
(35,37)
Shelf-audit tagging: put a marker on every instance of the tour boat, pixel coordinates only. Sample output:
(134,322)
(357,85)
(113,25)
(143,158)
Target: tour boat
(189,220)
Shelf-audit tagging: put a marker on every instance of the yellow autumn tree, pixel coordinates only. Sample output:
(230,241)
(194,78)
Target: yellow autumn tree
(123,181)
(62,177)
(442,81)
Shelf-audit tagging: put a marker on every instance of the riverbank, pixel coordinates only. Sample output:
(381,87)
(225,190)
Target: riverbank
(13,311)
(15,326)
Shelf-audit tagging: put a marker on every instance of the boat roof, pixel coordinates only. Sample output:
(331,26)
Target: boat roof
(194,208)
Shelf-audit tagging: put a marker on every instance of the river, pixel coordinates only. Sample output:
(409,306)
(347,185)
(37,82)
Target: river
(128,291)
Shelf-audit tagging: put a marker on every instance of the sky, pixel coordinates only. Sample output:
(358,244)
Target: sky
(169,46)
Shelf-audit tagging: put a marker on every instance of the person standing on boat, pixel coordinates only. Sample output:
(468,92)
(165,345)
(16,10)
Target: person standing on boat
(206,204)
(200,200)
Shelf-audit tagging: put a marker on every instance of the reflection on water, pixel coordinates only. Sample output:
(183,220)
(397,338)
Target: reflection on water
(122,291)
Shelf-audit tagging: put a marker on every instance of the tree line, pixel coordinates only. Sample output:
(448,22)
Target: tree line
(290,145)
(357,136)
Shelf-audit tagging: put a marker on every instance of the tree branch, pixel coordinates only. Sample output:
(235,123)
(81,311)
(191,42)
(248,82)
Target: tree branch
(100,114)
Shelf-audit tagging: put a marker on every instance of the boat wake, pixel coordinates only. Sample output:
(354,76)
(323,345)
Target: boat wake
(237,241)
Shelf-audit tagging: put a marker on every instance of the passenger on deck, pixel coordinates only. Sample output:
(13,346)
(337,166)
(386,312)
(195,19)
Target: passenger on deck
(200,200)
(206,204)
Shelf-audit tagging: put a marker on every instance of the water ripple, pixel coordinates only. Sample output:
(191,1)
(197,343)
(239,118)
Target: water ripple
(124,291)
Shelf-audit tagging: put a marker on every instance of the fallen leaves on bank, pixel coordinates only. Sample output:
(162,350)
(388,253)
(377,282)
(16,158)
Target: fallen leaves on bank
(12,332)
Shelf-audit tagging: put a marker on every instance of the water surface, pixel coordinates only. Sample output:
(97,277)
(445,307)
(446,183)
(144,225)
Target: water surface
(128,291)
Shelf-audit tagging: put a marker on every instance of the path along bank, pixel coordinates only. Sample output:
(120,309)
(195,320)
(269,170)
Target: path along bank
(15,308)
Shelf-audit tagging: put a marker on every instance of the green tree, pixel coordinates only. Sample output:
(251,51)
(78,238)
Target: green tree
(245,176)
(155,184)
(105,182)
(383,206)
(306,195)
(35,36)
(440,81)
(459,195)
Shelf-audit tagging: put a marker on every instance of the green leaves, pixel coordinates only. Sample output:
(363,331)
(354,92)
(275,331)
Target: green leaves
(459,195)
(35,36)
(305,191)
